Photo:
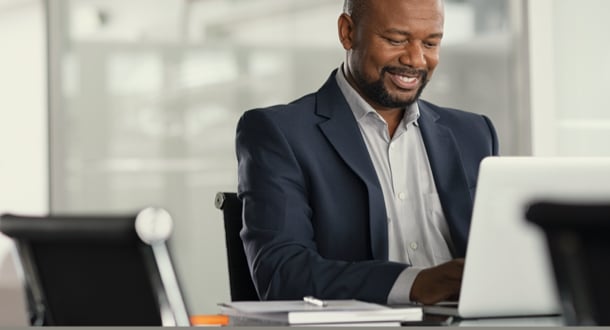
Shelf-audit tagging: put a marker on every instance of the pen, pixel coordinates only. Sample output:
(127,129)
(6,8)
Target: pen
(314,301)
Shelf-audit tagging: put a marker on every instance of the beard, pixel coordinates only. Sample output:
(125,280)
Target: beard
(378,93)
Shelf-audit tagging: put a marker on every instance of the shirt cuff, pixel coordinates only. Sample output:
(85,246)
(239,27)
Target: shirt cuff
(401,291)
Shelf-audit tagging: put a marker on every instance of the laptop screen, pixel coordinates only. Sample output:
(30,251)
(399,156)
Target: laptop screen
(508,271)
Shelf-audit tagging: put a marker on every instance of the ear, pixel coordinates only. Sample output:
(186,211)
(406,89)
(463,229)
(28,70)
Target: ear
(346,31)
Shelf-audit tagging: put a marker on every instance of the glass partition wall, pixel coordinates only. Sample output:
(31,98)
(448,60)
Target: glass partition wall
(145,96)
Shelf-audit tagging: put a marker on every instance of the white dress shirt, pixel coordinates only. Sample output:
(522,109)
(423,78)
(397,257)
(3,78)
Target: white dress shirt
(417,230)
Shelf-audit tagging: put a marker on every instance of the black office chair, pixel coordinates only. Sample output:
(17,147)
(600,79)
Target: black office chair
(240,280)
(578,237)
(98,270)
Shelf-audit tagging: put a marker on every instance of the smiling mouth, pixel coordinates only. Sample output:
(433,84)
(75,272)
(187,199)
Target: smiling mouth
(406,82)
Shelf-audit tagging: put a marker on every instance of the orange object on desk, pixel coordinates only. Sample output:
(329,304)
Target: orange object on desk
(217,319)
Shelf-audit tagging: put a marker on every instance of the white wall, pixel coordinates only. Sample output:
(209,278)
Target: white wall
(542,80)
(23,133)
(23,126)
(570,75)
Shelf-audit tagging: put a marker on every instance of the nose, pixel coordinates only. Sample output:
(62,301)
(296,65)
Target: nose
(413,56)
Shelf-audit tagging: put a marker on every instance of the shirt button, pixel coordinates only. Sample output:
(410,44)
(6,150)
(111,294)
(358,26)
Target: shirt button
(413,245)
(389,220)
(402,196)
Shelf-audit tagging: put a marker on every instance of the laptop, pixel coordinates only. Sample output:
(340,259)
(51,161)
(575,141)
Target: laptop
(508,272)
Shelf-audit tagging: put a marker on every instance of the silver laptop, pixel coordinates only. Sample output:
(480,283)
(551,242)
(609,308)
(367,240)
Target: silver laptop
(508,271)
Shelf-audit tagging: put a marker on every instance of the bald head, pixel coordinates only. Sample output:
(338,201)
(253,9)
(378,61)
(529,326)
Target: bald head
(356,8)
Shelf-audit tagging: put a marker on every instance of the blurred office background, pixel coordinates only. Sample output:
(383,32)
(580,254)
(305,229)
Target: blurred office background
(113,105)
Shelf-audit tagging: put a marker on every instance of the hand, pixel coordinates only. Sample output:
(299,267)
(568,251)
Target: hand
(439,283)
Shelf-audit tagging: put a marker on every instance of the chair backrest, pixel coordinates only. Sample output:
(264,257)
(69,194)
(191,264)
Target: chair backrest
(579,247)
(240,280)
(98,270)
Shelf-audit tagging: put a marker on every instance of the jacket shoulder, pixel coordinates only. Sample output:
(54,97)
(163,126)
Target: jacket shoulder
(445,112)
(296,112)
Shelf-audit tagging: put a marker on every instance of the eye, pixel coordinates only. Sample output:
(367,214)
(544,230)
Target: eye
(431,44)
(395,42)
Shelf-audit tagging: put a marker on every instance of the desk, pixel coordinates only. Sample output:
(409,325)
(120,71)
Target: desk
(432,320)
(530,321)
(278,313)
(539,321)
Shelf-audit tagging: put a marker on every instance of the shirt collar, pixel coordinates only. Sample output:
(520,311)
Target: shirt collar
(361,108)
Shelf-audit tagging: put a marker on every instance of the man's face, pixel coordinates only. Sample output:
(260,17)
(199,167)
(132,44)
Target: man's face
(392,49)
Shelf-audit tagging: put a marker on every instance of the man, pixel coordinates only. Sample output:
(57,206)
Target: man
(361,190)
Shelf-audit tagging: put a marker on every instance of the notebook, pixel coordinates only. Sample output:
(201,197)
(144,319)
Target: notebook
(508,271)
(333,312)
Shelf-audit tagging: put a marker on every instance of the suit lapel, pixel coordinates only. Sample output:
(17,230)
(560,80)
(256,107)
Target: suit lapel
(343,133)
(449,175)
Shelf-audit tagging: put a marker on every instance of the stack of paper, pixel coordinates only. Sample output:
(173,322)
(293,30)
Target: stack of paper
(297,312)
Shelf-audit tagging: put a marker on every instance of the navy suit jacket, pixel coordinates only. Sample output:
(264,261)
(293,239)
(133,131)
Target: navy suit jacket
(314,214)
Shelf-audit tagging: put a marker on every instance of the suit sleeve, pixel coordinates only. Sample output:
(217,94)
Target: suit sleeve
(278,234)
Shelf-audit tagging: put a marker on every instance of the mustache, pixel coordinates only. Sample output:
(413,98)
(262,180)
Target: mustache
(405,71)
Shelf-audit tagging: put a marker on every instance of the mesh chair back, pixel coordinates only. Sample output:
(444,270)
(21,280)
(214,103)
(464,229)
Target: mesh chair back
(94,271)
